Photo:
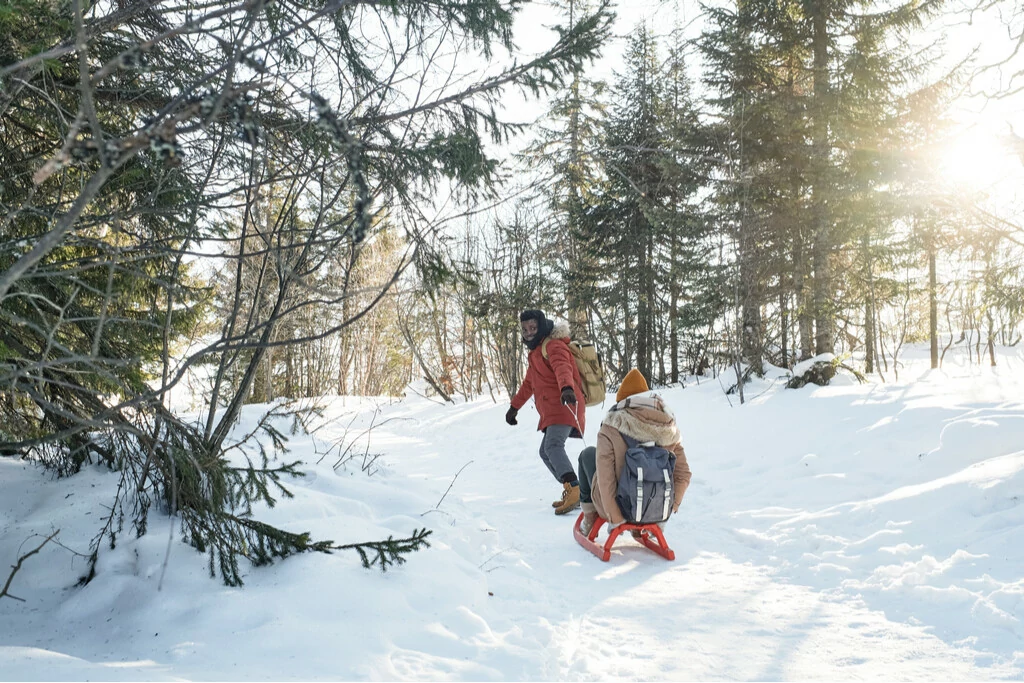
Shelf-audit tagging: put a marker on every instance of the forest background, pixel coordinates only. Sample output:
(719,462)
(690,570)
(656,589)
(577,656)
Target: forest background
(269,201)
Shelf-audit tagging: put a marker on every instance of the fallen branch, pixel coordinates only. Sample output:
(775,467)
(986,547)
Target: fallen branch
(16,567)
(856,373)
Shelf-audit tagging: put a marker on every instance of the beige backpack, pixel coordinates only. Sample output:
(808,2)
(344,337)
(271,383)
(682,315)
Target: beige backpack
(588,361)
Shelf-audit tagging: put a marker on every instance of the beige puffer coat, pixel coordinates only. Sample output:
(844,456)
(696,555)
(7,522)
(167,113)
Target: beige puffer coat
(645,418)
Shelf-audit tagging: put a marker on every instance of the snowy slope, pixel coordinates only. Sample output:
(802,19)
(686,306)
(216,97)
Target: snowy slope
(851,531)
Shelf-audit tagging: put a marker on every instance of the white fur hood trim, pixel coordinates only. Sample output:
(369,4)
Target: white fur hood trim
(560,330)
(646,418)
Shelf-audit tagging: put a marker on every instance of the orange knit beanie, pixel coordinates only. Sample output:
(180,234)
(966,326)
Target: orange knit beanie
(632,383)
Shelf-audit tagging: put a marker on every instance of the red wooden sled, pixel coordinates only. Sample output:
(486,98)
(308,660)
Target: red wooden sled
(605,552)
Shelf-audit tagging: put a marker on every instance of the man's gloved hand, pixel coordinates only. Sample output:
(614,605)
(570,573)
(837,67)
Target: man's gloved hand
(510,416)
(568,396)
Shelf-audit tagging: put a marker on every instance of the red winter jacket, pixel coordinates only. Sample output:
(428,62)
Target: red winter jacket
(544,381)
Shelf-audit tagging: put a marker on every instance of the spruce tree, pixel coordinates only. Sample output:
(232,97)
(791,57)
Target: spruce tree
(647,230)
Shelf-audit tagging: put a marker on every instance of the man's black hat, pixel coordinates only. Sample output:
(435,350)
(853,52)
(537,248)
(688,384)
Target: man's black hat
(531,314)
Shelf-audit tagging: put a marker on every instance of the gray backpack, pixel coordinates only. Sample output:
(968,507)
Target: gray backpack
(645,486)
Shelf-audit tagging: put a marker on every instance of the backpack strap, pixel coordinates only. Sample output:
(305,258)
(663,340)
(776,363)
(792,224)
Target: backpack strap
(668,495)
(639,494)
(630,441)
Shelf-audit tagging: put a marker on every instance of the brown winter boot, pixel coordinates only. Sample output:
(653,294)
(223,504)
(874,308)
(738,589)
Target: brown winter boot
(570,499)
(589,517)
(558,503)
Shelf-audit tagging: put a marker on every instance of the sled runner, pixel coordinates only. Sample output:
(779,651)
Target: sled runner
(605,552)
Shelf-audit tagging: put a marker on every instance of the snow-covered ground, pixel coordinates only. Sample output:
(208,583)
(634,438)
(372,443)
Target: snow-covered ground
(845,532)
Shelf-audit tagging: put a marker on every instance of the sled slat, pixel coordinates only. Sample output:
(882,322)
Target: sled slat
(604,552)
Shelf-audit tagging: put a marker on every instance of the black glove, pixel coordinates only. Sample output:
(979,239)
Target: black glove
(568,396)
(510,416)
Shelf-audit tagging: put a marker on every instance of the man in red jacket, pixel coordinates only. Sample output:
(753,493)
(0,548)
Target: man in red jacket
(553,380)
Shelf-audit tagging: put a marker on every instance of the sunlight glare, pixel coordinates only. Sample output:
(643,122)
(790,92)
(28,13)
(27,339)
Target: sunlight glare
(976,160)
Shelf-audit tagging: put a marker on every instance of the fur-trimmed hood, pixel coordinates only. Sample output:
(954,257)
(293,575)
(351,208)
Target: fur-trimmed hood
(645,418)
(560,330)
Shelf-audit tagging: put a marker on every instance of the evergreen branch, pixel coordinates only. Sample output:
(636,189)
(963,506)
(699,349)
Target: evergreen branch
(594,27)
(389,551)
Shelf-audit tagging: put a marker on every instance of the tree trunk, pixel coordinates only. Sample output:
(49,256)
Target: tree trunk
(216,439)
(869,337)
(750,310)
(673,322)
(805,317)
(933,304)
(821,243)
(269,387)
(643,312)
(784,313)
(991,339)
(627,358)
(577,270)
(869,308)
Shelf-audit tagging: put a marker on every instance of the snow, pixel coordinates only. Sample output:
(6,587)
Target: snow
(840,532)
(805,365)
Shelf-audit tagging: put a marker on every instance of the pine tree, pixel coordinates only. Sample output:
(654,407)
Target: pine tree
(647,232)
(806,93)
(568,140)
(88,320)
(936,218)
(622,234)
(867,44)
(760,93)
(689,280)
(869,124)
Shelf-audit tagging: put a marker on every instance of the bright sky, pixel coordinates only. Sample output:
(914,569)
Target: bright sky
(534,34)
